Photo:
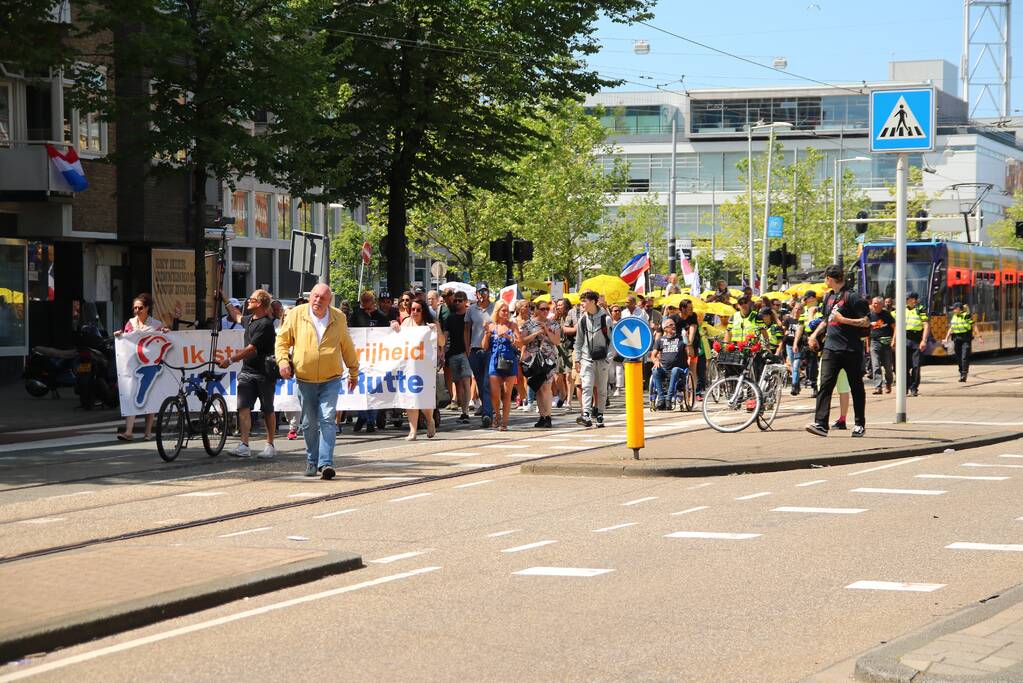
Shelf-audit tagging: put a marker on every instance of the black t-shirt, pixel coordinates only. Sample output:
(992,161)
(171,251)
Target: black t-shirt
(882,326)
(454,327)
(791,324)
(360,318)
(260,333)
(844,338)
(682,327)
(673,351)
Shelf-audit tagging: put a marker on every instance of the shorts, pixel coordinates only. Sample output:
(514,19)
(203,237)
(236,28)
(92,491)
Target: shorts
(459,366)
(252,387)
(841,383)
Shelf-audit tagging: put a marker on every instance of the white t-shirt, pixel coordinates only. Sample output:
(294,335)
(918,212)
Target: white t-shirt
(227,323)
(638,313)
(320,323)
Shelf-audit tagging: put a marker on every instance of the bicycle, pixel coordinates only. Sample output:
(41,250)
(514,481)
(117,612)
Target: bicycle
(736,401)
(174,417)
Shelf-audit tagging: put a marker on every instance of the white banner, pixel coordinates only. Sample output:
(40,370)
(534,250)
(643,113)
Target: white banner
(396,370)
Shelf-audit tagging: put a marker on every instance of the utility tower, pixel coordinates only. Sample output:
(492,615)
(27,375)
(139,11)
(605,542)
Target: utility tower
(986,68)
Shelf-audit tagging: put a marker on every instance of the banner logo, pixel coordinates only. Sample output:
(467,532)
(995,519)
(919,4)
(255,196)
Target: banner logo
(149,351)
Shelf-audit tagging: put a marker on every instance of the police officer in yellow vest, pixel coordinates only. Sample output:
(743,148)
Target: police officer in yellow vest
(960,330)
(918,329)
(744,322)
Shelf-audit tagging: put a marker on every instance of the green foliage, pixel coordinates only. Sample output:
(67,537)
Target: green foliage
(32,42)
(643,223)
(916,200)
(346,262)
(1003,233)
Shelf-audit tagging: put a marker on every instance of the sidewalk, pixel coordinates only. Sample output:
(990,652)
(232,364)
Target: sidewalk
(22,411)
(72,597)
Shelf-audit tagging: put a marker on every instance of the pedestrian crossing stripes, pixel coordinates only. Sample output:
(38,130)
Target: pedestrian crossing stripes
(901,123)
(580,572)
(716,535)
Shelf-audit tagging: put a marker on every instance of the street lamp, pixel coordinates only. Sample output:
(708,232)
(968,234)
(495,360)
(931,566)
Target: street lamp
(836,248)
(767,193)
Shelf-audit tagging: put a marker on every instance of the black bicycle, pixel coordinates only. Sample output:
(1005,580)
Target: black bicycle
(174,422)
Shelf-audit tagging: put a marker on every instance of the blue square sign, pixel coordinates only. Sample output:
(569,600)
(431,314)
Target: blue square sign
(902,120)
(775,226)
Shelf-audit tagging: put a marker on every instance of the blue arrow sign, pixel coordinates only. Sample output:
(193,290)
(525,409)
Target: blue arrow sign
(632,338)
(775,226)
(902,120)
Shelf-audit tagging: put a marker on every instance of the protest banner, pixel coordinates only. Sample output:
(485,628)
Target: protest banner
(396,369)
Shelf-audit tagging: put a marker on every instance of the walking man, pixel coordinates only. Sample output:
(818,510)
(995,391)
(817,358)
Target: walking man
(960,331)
(592,340)
(478,315)
(882,345)
(317,334)
(846,319)
(918,328)
(367,315)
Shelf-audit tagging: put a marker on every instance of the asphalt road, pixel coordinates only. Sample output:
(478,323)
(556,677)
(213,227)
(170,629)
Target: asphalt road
(502,576)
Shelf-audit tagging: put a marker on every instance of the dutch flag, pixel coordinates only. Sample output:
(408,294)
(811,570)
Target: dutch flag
(69,166)
(636,266)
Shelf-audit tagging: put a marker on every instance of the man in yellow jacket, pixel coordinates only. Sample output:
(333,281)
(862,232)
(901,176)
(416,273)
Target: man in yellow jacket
(317,335)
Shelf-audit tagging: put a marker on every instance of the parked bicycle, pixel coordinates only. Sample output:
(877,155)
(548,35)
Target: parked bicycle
(174,422)
(739,399)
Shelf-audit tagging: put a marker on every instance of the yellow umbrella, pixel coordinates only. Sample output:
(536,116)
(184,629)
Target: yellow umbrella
(612,287)
(573,298)
(735,292)
(777,295)
(672,300)
(706,295)
(543,298)
(537,285)
(718,308)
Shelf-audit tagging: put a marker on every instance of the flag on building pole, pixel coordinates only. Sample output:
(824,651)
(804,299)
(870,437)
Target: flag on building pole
(687,271)
(69,166)
(637,265)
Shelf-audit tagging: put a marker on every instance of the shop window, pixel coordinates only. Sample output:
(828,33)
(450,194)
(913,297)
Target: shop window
(13,268)
(5,112)
(261,219)
(40,271)
(240,211)
(283,217)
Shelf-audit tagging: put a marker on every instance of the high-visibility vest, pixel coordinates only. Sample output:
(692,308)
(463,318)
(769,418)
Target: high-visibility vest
(774,333)
(740,325)
(962,323)
(805,318)
(915,319)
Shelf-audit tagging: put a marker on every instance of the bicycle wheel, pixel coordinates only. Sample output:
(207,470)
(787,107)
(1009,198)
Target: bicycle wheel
(688,392)
(170,428)
(214,424)
(731,404)
(772,401)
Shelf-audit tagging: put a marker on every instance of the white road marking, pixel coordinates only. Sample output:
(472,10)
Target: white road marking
(474,464)
(58,443)
(824,511)
(498,534)
(908,492)
(413,496)
(43,520)
(958,476)
(960,422)
(201,626)
(711,534)
(563,448)
(507,445)
(195,476)
(1010,547)
(69,495)
(528,546)
(247,531)
(1010,455)
(473,483)
(403,556)
(754,495)
(616,526)
(524,455)
(298,538)
(303,494)
(549,438)
(615,440)
(335,513)
(686,512)
(583,572)
(895,586)
(638,501)
(811,483)
(458,454)
(699,486)
(397,478)
(890,465)
(985,464)
(201,494)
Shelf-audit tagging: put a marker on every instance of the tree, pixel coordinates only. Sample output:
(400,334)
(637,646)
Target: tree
(191,75)
(345,259)
(1003,233)
(644,219)
(33,41)
(440,90)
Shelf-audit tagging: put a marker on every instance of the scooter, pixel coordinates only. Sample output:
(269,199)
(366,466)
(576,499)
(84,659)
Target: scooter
(95,373)
(48,369)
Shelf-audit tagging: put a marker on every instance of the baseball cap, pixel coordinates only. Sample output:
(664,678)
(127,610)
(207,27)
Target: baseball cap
(810,294)
(957,304)
(482,287)
(912,295)
(234,302)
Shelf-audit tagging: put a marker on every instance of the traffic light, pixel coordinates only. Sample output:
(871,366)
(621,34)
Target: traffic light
(861,225)
(1019,229)
(522,250)
(499,251)
(921,225)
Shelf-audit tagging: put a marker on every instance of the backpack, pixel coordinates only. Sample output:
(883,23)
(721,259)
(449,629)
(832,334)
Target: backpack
(599,354)
(829,305)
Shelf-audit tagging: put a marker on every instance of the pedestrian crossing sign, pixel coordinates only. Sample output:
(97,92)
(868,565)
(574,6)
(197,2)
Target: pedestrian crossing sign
(902,120)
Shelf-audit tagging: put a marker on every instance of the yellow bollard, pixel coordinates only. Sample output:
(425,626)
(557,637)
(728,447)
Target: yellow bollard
(634,437)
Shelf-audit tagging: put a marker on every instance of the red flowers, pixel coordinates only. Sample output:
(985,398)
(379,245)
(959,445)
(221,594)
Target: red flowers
(717,346)
(755,348)
(729,347)
(742,345)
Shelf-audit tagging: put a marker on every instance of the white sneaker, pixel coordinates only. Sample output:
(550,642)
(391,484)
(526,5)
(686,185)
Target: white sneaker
(241,451)
(535,407)
(267,453)
(617,393)
(524,406)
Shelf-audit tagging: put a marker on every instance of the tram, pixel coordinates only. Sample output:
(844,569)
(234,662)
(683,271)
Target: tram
(988,279)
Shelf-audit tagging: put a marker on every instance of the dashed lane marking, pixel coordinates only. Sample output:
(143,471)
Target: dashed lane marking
(42,520)
(811,483)
(958,476)
(69,495)
(458,454)
(895,586)
(528,546)
(616,526)
(1006,547)
(581,572)
(412,497)
(549,438)
(1010,455)
(686,512)
(325,515)
(202,626)
(986,464)
(246,531)
(473,483)
(638,501)
(201,494)
(823,511)
(303,494)
(507,445)
(716,535)
(907,492)
(699,486)
(475,464)
(754,495)
(498,534)
(402,556)
(889,465)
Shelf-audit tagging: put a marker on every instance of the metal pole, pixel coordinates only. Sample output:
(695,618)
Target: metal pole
(713,219)
(749,191)
(838,209)
(672,256)
(767,212)
(795,195)
(900,289)
(834,214)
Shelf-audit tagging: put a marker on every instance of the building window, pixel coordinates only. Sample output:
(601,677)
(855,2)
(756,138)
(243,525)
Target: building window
(40,271)
(305,216)
(283,217)
(13,331)
(240,211)
(91,138)
(5,112)
(261,219)
(265,269)
(38,110)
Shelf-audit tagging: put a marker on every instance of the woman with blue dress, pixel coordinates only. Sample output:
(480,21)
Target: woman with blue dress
(502,338)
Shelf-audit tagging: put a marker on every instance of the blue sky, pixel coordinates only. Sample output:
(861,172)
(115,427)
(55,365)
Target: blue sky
(828,40)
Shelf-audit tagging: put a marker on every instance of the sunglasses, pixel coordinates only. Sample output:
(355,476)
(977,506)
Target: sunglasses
(544,309)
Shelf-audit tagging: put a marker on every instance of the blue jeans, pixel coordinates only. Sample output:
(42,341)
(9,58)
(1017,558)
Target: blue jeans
(479,361)
(319,410)
(657,380)
(795,358)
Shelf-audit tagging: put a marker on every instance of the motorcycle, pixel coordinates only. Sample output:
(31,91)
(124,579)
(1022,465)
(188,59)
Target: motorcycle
(48,369)
(96,371)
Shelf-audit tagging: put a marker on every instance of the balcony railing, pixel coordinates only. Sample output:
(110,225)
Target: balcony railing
(25,168)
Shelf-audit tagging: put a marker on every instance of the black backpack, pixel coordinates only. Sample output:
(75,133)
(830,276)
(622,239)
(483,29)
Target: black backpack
(598,355)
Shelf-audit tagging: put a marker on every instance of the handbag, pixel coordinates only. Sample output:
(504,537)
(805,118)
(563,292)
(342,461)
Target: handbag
(443,395)
(504,364)
(534,366)
(273,372)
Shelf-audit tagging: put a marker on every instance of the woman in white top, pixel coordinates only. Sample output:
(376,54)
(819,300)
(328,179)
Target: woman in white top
(140,322)
(419,314)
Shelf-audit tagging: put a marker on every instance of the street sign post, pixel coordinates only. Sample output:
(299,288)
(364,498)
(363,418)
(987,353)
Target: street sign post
(685,248)
(631,338)
(308,254)
(775,226)
(901,121)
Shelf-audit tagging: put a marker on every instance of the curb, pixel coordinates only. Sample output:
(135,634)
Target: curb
(883,665)
(626,469)
(84,626)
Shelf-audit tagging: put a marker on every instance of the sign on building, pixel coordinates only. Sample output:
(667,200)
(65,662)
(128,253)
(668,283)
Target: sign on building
(308,251)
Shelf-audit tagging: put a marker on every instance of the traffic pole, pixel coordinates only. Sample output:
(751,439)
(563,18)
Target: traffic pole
(634,437)
(901,374)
